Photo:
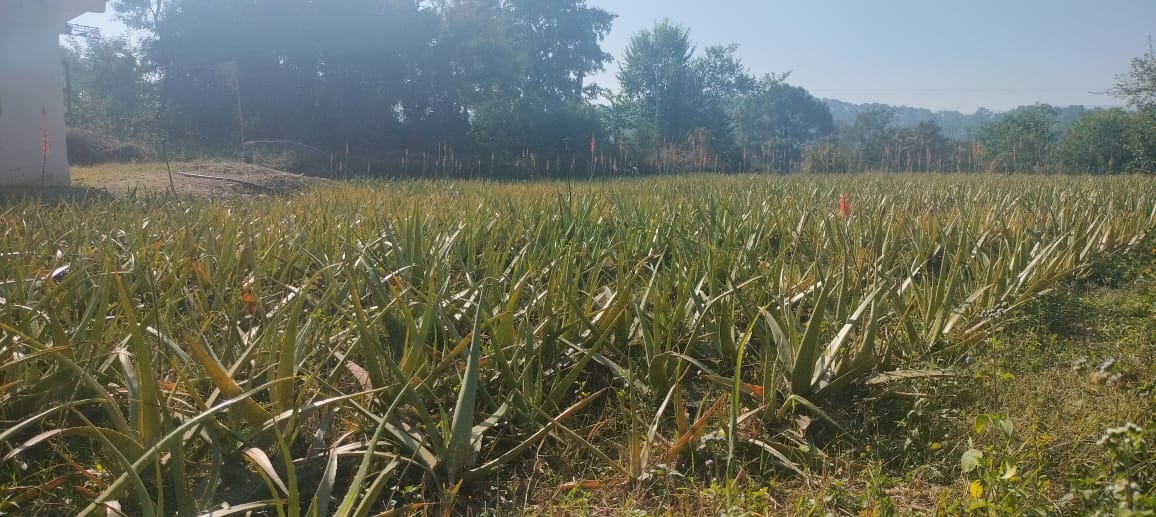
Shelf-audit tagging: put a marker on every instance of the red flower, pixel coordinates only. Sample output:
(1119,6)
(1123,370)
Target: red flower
(845,205)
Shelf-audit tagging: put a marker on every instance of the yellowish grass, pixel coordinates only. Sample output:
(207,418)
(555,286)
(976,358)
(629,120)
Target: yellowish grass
(99,175)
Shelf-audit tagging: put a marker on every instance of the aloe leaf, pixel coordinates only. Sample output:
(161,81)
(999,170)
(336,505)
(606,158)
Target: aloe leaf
(151,453)
(346,507)
(489,467)
(319,507)
(804,367)
(460,453)
(86,379)
(824,370)
(265,466)
(148,402)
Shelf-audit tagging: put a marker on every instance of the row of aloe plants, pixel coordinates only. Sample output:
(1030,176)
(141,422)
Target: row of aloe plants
(307,355)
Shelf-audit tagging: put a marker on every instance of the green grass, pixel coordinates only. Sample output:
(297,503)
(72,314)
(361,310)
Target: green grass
(692,344)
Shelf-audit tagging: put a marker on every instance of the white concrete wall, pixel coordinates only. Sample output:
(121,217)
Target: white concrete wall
(32,89)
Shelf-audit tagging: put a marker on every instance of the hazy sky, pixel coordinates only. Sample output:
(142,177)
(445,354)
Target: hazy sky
(938,54)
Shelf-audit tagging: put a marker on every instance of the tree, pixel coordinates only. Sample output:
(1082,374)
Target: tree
(920,148)
(775,122)
(141,15)
(724,81)
(108,90)
(659,87)
(540,104)
(1141,142)
(867,138)
(827,157)
(1138,86)
(1021,141)
(377,77)
(677,107)
(1098,143)
(562,44)
(723,75)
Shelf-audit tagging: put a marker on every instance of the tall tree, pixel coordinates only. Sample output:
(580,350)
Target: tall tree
(561,40)
(724,76)
(108,89)
(191,44)
(378,77)
(540,101)
(660,88)
(1138,86)
(1097,143)
(776,121)
(1021,141)
(141,15)
(920,148)
(1141,142)
(867,138)
(724,81)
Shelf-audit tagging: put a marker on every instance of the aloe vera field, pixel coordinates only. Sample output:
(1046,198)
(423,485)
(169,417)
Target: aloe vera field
(739,345)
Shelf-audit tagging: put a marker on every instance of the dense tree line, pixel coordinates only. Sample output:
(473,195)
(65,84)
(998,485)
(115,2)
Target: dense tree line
(501,88)
(1037,138)
(678,111)
(955,125)
(1028,139)
(390,83)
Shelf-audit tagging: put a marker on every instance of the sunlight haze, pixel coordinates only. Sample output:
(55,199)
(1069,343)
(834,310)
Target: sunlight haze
(575,257)
(936,55)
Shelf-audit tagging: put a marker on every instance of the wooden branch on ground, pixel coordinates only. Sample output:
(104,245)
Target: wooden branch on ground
(231,180)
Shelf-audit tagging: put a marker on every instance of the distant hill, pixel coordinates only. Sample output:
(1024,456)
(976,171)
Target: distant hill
(955,124)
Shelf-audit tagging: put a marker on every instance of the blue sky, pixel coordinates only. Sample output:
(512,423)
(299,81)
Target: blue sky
(937,54)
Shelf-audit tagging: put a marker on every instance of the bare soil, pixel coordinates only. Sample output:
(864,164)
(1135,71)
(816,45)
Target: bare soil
(196,179)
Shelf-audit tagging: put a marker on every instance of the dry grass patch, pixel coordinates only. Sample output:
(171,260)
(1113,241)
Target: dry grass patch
(196,179)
